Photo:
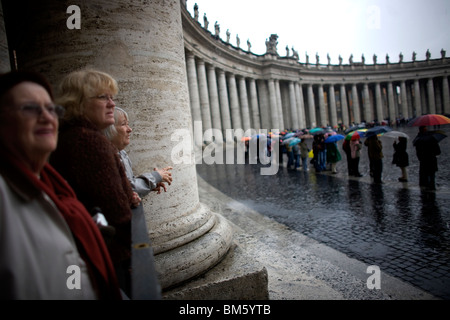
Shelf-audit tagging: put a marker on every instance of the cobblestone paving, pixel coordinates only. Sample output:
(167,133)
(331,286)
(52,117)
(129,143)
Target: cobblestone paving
(397,226)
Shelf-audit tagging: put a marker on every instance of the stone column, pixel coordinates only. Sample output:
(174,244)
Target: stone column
(293,107)
(279,106)
(367,110)
(404,100)
(141,46)
(417,99)
(344,105)
(224,103)
(311,107)
(322,109)
(204,95)
(332,106)
(236,121)
(214,98)
(274,114)
(431,98)
(254,104)
(379,102)
(5,64)
(445,95)
(244,104)
(194,96)
(300,105)
(391,103)
(355,101)
(264,102)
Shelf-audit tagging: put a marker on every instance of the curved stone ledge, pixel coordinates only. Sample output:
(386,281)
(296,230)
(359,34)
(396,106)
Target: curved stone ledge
(198,256)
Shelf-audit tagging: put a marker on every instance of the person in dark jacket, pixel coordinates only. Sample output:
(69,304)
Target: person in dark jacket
(401,158)
(375,153)
(427,149)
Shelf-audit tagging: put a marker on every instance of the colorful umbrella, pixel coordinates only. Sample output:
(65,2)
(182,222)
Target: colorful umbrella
(355,135)
(429,120)
(334,138)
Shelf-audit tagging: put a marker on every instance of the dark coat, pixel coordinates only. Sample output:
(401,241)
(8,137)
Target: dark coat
(427,148)
(400,158)
(91,165)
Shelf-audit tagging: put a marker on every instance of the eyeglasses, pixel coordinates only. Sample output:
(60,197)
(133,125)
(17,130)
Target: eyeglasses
(34,110)
(104,97)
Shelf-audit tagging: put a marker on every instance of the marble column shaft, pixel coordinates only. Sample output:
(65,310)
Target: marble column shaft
(214,98)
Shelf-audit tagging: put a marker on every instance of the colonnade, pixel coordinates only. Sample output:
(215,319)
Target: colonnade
(226,100)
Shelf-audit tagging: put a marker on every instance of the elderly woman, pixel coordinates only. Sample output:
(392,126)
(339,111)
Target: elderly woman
(89,162)
(119,134)
(50,248)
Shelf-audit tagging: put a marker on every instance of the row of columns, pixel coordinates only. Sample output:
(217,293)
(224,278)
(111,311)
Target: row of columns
(225,100)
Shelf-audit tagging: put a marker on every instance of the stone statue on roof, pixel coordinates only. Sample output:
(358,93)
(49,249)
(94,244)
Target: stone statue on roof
(271,44)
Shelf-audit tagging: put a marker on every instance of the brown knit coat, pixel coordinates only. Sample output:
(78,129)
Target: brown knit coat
(90,164)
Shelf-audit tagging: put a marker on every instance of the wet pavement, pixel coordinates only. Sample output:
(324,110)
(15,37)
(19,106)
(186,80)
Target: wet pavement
(396,226)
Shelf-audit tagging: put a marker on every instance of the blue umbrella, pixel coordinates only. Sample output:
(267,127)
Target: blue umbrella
(288,135)
(377,130)
(334,138)
(294,142)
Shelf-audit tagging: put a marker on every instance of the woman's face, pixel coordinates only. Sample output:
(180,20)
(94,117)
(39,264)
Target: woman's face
(122,138)
(29,126)
(99,110)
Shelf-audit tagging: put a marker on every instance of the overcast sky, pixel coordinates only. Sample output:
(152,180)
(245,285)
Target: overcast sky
(334,27)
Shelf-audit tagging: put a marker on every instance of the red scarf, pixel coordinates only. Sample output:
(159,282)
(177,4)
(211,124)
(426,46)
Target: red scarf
(90,243)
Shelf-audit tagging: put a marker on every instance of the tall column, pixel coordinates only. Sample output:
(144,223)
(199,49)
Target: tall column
(254,104)
(322,109)
(300,105)
(234,103)
(194,95)
(445,95)
(244,104)
(293,107)
(332,106)
(264,102)
(404,100)
(311,107)
(367,110)
(431,98)
(355,101)
(274,114)
(344,106)
(5,64)
(204,96)
(187,237)
(417,99)
(379,102)
(391,103)
(223,100)
(411,112)
(214,98)
(279,106)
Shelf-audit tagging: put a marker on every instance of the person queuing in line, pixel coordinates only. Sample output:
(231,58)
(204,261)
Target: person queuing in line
(347,150)
(46,234)
(427,149)
(304,154)
(375,153)
(90,163)
(119,134)
(297,153)
(333,155)
(401,158)
(355,154)
(320,153)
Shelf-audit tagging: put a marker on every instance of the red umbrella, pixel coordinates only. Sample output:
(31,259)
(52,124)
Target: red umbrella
(429,120)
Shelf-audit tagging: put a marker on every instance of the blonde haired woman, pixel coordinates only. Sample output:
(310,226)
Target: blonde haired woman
(89,162)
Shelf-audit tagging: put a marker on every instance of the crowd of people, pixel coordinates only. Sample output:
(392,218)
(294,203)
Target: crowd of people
(63,165)
(324,155)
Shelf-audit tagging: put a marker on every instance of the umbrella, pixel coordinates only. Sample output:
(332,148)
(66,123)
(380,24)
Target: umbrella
(437,135)
(243,139)
(354,128)
(288,140)
(395,134)
(306,136)
(294,141)
(356,135)
(429,120)
(334,138)
(316,131)
(289,135)
(377,130)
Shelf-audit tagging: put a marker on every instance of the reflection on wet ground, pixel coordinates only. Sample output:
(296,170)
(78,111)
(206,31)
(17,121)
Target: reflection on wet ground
(396,226)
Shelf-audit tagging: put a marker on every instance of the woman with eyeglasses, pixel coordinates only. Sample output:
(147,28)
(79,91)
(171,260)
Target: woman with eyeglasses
(50,247)
(89,162)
